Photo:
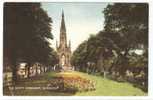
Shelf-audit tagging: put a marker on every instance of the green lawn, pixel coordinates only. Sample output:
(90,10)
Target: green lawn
(104,87)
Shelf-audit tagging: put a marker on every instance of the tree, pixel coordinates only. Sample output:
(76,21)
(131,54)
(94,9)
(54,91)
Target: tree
(79,56)
(127,27)
(27,29)
(91,54)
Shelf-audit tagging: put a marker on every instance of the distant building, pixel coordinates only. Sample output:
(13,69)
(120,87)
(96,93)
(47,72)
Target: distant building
(64,50)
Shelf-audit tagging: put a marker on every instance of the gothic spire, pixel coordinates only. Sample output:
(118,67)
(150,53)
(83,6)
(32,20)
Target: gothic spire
(63,38)
(63,28)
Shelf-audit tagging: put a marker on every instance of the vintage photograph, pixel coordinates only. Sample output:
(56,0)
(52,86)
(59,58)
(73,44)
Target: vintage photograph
(75,49)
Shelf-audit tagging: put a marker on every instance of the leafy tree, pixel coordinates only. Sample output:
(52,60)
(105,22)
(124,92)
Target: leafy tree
(27,29)
(127,27)
(79,56)
(91,54)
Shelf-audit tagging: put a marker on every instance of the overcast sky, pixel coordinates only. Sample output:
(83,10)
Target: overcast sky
(81,19)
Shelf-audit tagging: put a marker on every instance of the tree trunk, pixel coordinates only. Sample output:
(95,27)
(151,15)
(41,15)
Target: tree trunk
(14,75)
(113,65)
(36,69)
(14,72)
(101,63)
(104,73)
(44,68)
(41,71)
(28,70)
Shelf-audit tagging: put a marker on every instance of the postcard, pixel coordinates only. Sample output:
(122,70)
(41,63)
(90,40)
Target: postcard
(75,49)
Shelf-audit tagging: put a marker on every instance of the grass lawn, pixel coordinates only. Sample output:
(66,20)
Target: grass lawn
(104,87)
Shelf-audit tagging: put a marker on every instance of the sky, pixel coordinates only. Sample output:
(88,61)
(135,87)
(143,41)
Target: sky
(81,20)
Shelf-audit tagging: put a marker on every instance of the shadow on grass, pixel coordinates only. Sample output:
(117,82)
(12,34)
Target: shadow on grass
(23,87)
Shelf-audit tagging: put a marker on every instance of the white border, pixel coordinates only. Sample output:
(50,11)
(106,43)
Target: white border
(150,93)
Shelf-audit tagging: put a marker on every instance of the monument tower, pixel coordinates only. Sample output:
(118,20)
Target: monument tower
(63,49)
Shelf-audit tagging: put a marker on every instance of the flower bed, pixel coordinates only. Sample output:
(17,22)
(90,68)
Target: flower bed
(71,83)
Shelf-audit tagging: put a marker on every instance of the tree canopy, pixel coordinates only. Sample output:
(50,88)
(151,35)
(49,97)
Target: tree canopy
(27,29)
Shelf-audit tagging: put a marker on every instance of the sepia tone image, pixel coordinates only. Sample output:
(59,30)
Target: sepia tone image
(75,49)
